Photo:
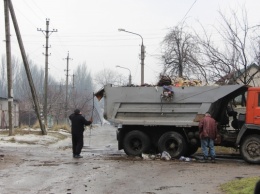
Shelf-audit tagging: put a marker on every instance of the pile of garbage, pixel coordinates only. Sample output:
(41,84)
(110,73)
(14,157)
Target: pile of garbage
(164,156)
(178,81)
(161,156)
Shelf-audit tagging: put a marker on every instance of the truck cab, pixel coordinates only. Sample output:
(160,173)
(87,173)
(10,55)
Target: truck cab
(248,138)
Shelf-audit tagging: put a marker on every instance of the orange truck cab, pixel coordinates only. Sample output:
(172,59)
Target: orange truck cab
(248,138)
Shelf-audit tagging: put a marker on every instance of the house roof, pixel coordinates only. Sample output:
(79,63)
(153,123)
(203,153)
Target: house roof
(235,74)
(242,71)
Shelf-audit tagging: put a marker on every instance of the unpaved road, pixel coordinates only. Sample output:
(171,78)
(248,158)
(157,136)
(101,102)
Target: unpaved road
(51,169)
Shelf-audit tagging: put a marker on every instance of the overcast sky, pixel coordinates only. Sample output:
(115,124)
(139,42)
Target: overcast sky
(88,29)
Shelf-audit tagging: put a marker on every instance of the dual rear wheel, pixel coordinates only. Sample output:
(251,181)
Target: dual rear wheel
(137,142)
(173,143)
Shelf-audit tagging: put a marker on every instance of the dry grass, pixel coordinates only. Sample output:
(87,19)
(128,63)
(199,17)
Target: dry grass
(61,126)
(21,131)
(36,125)
(35,129)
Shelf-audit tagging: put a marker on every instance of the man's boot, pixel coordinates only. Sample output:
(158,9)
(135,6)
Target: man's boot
(213,159)
(205,159)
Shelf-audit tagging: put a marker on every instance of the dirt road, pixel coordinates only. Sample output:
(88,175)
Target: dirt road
(104,169)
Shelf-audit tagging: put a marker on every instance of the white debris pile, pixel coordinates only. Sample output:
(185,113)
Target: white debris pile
(165,156)
(186,159)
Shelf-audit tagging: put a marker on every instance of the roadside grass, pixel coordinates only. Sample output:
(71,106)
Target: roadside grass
(57,127)
(240,186)
(23,130)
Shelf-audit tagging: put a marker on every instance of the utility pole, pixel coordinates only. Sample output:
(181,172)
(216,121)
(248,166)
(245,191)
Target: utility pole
(9,67)
(47,34)
(67,85)
(142,53)
(73,81)
(27,69)
(142,62)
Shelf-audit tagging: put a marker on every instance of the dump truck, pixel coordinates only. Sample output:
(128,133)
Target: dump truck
(154,119)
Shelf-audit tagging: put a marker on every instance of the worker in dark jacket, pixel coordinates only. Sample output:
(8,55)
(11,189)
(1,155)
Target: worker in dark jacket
(77,128)
(208,133)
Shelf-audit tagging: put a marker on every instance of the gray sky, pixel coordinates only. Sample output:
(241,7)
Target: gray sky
(88,29)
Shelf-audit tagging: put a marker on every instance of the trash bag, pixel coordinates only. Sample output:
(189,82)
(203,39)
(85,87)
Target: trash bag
(165,156)
(148,157)
(145,156)
(186,159)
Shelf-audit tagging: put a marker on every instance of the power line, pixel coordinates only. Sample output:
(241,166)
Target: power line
(188,11)
(32,10)
(40,9)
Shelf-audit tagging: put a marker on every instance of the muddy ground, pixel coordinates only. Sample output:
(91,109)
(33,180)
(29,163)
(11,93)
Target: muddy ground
(52,169)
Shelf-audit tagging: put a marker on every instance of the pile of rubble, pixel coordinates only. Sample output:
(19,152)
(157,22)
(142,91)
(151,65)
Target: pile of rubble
(178,82)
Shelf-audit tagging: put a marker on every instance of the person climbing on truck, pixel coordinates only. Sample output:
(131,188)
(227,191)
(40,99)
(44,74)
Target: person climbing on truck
(207,133)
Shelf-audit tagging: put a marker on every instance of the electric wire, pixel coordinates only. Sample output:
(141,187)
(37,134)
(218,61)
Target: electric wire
(188,11)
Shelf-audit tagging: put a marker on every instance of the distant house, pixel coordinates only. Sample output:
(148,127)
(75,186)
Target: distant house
(4,118)
(252,77)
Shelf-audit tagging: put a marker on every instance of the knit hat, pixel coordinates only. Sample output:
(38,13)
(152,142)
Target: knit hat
(76,111)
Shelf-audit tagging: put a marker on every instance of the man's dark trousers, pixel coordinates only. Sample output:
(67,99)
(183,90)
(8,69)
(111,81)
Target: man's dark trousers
(77,143)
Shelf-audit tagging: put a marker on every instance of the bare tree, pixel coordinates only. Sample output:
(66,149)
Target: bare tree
(181,54)
(256,48)
(81,95)
(108,76)
(227,61)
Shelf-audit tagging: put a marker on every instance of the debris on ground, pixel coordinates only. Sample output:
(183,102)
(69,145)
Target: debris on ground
(165,156)
(186,159)
(150,157)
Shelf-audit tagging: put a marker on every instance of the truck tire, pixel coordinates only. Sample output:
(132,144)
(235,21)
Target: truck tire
(192,149)
(136,142)
(173,143)
(250,149)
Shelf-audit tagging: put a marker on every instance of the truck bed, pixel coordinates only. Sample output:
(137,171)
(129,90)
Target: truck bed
(144,105)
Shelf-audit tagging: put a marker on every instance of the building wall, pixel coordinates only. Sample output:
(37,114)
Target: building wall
(256,80)
(4,118)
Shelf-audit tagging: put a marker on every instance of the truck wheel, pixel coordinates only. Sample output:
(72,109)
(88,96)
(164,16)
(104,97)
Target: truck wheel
(135,143)
(173,143)
(250,149)
(192,149)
